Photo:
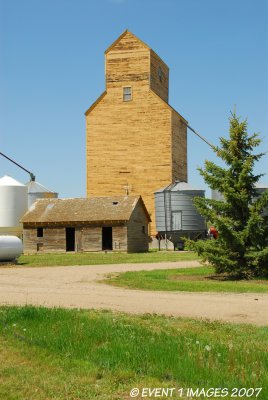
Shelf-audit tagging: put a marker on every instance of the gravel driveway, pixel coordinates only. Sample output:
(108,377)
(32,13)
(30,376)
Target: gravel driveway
(77,287)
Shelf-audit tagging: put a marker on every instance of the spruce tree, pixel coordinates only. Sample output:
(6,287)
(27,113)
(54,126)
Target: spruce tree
(241,249)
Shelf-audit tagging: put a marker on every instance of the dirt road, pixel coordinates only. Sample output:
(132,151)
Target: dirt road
(77,287)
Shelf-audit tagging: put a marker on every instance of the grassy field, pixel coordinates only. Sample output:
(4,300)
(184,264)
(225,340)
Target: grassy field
(199,279)
(80,355)
(104,258)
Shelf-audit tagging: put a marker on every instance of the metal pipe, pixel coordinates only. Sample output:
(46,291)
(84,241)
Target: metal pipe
(198,134)
(20,166)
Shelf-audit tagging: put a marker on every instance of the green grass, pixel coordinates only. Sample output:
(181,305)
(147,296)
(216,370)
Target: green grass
(190,280)
(71,355)
(104,258)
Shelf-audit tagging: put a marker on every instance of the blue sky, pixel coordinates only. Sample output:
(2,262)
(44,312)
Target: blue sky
(52,70)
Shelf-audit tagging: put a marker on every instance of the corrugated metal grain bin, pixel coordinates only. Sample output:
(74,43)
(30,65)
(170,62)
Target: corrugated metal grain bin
(176,214)
(259,187)
(216,195)
(37,191)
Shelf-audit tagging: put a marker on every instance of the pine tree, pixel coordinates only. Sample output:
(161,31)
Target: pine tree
(241,249)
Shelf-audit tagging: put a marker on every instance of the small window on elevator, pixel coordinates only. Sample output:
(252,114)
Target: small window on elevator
(160,74)
(127,94)
(40,232)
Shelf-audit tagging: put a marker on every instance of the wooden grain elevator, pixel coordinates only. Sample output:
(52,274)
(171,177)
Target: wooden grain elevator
(136,142)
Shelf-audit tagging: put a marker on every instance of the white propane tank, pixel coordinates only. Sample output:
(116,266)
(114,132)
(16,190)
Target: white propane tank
(10,248)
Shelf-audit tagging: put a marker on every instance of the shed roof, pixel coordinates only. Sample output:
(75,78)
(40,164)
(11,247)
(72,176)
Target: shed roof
(95,209)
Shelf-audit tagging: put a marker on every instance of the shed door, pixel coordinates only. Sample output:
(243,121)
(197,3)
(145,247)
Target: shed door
(177,221)
(70,239)
(107,238)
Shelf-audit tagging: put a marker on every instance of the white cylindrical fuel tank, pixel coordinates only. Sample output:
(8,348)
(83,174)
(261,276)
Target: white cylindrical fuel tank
(13,202)
(37,191)
(10,248)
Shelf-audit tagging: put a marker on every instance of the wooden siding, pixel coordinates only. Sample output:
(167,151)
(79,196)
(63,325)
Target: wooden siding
(86,239)
(158,86)
(53,240)
(120,238)
(91,239)
(127,61)
(132,144)
(129,145)
(137,234)
(179,148)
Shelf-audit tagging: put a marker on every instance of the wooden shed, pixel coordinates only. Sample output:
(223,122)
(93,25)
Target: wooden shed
(117,223)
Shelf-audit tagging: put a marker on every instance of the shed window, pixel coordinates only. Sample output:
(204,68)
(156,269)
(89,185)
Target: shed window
(40,232)
(127,93)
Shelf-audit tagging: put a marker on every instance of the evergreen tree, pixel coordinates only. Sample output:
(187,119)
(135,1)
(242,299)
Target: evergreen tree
(241,249)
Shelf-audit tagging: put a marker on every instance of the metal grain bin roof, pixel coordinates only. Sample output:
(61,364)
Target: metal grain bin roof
(6,180)
(35,187)
(181,187)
